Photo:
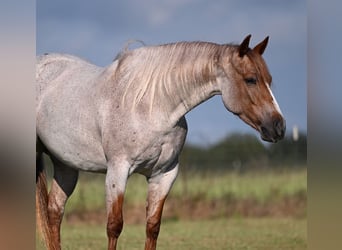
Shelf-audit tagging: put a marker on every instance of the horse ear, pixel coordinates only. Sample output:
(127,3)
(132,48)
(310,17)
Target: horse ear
(244,46)
(260,48)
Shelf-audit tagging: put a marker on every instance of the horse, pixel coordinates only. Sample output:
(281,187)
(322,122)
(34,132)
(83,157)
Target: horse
(129,117)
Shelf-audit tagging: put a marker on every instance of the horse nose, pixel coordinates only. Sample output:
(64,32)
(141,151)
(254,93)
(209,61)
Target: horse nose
(274,130)
(279,126)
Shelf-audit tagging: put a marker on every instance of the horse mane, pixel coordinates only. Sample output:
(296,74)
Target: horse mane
(126,47)
(166,72)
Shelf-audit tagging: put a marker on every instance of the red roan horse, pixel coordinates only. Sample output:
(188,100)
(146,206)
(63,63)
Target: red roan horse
(129,118)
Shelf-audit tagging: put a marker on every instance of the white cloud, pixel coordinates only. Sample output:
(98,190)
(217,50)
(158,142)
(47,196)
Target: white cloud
(158,12)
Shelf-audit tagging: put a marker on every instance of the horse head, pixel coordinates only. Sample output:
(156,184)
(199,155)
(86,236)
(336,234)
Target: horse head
(245,88)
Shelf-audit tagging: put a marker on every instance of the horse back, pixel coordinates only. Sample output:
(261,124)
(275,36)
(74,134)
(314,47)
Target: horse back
(52,68)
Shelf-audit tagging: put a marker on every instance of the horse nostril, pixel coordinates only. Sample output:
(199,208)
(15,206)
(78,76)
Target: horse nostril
(264,131)
(279,127)
(274,130)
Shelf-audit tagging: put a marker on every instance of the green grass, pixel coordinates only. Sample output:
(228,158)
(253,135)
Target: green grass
(260,186)
(246,233)
(209,232)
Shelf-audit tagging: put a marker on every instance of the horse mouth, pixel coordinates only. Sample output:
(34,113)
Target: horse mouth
(265,135)
(271,131)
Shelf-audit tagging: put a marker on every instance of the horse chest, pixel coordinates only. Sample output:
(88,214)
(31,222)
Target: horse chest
(159,154)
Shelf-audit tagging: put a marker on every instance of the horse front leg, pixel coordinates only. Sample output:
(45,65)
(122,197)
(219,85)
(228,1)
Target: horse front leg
(158,189)
(63,184)
(116,179)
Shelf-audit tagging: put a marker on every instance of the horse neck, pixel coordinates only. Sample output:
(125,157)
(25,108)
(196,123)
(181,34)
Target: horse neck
(171,85)
(186,100)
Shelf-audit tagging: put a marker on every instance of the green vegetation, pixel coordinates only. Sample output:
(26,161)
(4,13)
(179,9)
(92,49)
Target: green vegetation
(226,186)
(226,209)
(244,152)
(261,185)
(234,234)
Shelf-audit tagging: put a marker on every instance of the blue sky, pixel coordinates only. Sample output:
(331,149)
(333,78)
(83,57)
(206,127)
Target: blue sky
(97,30)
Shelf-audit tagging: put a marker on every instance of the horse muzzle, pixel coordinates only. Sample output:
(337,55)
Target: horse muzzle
(274,130)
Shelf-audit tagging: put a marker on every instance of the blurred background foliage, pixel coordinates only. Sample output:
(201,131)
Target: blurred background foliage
(243,152)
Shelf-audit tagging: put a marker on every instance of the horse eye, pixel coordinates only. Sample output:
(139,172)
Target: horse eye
(250,80)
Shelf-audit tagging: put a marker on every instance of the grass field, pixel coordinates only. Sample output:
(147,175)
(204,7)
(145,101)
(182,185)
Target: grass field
(260,187)
(246,233)
(226,210)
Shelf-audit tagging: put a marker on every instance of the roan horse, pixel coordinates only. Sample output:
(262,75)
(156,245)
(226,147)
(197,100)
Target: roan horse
(129,118)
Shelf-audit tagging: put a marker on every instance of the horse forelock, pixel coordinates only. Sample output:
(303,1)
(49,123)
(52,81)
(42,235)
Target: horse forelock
(166,72)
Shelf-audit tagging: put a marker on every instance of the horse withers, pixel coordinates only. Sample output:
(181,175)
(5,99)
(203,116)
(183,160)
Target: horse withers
(129,118)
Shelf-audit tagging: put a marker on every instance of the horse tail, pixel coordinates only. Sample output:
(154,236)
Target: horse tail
(42,202)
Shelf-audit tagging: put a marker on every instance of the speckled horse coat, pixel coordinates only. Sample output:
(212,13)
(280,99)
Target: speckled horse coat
(129,118)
